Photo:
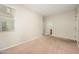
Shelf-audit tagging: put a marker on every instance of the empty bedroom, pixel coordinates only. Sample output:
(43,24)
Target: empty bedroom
(39,28)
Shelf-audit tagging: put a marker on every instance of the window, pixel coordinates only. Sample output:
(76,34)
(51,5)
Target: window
(6,18)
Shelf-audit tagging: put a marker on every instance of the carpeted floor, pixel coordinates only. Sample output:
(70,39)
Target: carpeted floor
(46,45)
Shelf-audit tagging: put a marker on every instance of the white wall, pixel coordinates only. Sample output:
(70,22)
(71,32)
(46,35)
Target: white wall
(62,24)
(77,26)
(28,25)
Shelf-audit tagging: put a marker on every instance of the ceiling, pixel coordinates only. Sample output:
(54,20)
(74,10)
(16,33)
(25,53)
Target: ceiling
(49,9)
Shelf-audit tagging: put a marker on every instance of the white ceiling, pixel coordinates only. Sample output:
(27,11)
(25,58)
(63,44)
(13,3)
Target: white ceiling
(50,9)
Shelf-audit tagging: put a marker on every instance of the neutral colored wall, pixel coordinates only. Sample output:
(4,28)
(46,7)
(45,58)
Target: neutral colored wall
(62,24)
(28,25)
(77,33)
(78,23)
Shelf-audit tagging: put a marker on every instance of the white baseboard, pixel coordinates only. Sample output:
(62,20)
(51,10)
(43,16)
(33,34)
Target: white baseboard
(19,43)
(61,37)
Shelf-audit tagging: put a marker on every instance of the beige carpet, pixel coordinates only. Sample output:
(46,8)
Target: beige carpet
(47,45)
